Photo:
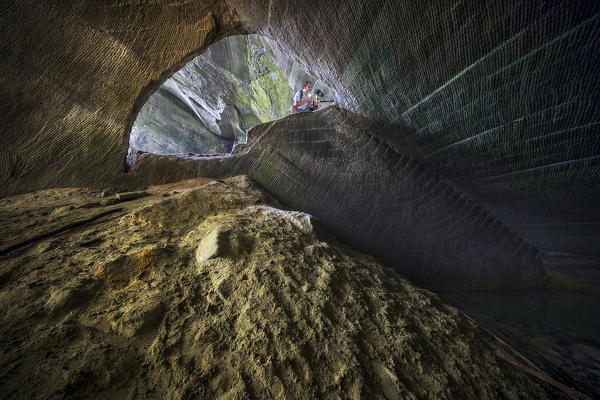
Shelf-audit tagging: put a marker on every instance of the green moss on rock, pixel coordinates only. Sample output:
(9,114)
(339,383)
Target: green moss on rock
(236,75)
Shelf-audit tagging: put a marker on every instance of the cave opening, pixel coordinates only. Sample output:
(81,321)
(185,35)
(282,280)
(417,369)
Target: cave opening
(208,106)
(465,158)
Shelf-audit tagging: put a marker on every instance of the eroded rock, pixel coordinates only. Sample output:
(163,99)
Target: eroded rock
(127,269)
(209,246)
(130,195)
(278,314)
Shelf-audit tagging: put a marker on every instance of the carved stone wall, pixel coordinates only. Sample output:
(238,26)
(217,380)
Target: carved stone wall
(500,100)
(75,74)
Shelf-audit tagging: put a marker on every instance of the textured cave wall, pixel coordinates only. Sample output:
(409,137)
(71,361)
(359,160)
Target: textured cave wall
(498,99)
(75,74)
(502,99)
(330,164)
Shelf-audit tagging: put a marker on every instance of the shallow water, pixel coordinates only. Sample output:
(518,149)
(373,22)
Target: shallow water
(559,331)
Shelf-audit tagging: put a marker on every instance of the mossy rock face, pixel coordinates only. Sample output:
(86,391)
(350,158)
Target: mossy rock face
(209,104)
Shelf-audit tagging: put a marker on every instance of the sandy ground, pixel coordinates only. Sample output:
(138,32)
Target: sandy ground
(211,290)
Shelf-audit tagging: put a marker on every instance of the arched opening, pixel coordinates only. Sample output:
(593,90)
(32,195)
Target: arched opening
(208,106)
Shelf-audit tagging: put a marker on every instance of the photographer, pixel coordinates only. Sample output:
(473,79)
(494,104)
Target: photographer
(302,99)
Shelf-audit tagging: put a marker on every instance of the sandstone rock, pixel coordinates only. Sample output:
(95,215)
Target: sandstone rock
(209,246)
(60,298)
(486,102)
(130,195)
(128,269)
(90,204)
(265,317)
(62,210)
(109,201)
(139,319)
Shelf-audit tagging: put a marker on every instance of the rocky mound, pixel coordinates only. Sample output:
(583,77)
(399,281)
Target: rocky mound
(213,293)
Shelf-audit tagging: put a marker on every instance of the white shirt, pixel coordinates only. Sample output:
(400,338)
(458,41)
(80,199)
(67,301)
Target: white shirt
(303,107)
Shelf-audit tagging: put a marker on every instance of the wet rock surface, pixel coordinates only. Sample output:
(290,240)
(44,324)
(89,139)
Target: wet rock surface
(556,329)
(123,307)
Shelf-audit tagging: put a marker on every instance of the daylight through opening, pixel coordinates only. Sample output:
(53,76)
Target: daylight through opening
(208,106)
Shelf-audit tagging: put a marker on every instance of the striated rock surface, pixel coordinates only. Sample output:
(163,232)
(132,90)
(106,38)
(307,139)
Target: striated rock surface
(212,293)
(501,100)
(378,200)
(75,77)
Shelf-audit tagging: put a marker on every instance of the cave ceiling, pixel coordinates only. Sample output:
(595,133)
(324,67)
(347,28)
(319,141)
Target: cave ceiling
(496,101)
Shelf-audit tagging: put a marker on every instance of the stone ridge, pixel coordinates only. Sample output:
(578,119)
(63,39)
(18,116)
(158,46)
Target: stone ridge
(376,199)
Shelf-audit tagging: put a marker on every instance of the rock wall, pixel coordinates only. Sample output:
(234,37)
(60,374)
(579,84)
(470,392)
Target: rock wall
(500,100)
(74,77)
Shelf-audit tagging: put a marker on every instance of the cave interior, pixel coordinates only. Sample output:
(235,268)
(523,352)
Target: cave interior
(460,147)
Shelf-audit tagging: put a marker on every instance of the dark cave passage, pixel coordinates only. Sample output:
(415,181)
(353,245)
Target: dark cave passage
(556,329)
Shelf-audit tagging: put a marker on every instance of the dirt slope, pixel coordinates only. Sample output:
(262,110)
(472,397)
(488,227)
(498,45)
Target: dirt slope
(213,293)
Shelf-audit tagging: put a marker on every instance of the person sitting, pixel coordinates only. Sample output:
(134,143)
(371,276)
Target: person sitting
(303,99)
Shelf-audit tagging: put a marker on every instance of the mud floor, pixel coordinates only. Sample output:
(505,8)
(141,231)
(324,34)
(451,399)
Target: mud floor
(211,290)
